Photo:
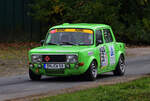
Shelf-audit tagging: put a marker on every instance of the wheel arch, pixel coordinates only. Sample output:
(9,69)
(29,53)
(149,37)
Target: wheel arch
(90,61)
(119,55)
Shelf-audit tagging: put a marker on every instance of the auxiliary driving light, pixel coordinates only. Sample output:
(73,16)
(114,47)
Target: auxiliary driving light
(31,65)
(39,65)
(68,65)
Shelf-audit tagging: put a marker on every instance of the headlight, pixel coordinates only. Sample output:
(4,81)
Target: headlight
(72,58)
(36,58)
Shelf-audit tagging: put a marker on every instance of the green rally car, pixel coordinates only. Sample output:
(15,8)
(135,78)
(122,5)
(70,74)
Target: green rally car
(75,49)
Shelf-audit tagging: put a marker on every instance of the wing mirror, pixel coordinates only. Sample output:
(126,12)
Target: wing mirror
(42,42)
(99,42)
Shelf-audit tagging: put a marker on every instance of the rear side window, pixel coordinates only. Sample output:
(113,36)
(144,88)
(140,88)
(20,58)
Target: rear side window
(107,36)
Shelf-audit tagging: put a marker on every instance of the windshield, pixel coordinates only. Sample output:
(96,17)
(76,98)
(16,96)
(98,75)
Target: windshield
(69,37)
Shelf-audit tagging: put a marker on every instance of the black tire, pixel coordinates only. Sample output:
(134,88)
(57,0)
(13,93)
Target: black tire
(120,69)
(34,76)
(91,73)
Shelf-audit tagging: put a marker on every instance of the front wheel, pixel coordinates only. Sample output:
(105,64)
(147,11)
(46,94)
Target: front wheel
(34,76)
(91,73)
(120,69)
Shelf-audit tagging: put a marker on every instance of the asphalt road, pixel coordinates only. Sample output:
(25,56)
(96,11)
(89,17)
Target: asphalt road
(20,86)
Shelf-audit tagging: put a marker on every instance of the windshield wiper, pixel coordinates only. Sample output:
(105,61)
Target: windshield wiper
(84,44)
(50,43)
(67,43)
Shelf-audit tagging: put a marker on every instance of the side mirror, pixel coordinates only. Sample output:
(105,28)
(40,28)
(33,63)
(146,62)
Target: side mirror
(98,42)
(42,42)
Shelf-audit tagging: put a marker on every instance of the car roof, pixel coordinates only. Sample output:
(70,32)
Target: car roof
(81,25)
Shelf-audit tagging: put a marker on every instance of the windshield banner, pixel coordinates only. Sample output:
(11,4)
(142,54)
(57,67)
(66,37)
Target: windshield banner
(72,30)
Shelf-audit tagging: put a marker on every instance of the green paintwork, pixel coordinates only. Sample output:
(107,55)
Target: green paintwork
(86,54)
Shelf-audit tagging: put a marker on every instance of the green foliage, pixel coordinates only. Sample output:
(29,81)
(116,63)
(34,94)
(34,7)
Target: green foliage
(130,19)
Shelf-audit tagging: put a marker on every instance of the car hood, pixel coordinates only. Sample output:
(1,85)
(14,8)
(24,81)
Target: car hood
(59,49)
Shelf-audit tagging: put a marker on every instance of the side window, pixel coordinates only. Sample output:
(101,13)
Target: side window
(99,37)
(107,36)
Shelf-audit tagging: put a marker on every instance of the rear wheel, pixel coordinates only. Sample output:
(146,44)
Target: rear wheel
(120,69)
(91,73)
(34,76)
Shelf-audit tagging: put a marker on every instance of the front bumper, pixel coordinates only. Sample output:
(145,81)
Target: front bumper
(73,69)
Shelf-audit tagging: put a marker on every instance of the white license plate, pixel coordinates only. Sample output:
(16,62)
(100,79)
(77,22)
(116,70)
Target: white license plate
(54,66)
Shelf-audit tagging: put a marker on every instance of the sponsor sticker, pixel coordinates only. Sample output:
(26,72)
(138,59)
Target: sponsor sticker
(53,31)
(103,57)
(90,53)
(112,55)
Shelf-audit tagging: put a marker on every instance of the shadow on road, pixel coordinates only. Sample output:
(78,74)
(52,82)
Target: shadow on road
(73,78)
(49,79)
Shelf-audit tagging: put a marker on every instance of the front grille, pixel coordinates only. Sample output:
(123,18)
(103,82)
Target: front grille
(54,58)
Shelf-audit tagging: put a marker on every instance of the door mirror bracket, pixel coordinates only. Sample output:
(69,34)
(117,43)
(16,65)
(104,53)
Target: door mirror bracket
(42,42)
(98,42)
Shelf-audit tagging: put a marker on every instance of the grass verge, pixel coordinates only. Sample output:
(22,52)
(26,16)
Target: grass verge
(138,90)
(13,58)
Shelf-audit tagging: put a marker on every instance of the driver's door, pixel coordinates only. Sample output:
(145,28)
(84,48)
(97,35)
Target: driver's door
(102,50)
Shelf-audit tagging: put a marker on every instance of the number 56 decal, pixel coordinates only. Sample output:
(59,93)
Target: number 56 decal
(103,57)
